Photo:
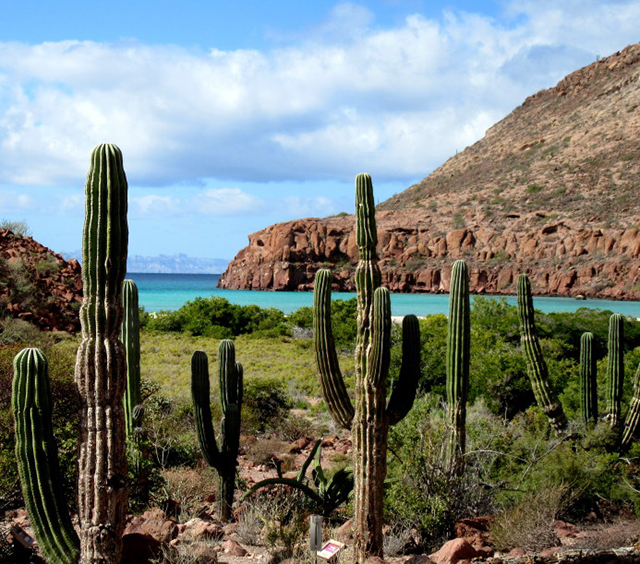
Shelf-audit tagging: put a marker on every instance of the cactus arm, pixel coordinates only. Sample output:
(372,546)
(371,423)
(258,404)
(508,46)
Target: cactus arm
(458,356)
(536,366)
(331,380)
(633,416)
(404,390)
(100,372)
(615,369)
(230,375)
(37,457)
(202,409)
(588,379)
(379,356)
(130,337)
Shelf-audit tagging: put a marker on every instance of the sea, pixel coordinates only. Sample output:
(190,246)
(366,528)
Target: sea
(168,292)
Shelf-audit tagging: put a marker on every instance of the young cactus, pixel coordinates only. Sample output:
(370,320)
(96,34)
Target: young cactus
(370,419)
(615,369)
(37,456)
(633,416)
(100,372)
(588,378)
(458,356)
(536,366)
(225,458)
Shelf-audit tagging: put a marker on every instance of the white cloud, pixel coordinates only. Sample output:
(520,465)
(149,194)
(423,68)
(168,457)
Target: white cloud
(351,96)
(153,204)
(15,202)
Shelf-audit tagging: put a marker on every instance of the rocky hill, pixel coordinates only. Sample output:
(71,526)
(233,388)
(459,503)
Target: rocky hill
(552,190)
(38,285)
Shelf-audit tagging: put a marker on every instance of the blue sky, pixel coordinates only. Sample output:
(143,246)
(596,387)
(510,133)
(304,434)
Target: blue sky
(235,115)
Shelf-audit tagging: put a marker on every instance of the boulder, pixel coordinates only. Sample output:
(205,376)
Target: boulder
(453,551)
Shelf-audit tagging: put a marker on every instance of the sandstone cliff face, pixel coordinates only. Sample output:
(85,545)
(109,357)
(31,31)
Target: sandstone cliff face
(552,190)
(560,258)
(38,285)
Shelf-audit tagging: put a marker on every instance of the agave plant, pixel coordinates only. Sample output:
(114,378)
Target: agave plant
(327,493)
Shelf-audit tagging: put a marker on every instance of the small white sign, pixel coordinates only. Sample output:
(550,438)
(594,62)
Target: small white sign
(331,549)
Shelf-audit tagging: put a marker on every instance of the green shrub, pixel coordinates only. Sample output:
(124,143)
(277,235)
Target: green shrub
(217,318)
(266,404)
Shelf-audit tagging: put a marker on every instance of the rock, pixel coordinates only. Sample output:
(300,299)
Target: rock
(516,552)
(233,548)
(375,560)
(344,533)
(204,554)
(297,446)
(139,548)
(550,551)
(154,523)
(419,559)
(565,530)
(453,551)
(200,529)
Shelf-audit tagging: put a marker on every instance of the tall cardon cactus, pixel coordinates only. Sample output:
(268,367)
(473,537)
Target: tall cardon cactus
(615,369)
(458,356)
(632,420)
(37,456)
(224,458)
(588,379)
(536,366)
(100,372)
(370,419)
(100,376)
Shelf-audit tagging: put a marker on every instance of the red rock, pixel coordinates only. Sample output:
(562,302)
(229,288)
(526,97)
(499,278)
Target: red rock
(516,552)
(139,548)
(154,523)
(375,560)
(565,530)
(550,551)
(234,548)
(199,529)
(419,559)
(454,551)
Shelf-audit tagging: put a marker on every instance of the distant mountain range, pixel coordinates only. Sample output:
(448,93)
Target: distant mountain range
(169,264)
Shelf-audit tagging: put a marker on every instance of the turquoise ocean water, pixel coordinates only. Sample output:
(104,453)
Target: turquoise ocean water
(170,291)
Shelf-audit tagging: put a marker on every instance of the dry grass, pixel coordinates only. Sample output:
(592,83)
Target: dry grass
(529,524)
(189,488)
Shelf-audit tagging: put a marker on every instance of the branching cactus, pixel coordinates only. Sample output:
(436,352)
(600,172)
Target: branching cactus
(100,372)
(632,420)
(370,419)
(458,356)
(615,369)
(536,366)
(37,456)
(588,379)
(225,458)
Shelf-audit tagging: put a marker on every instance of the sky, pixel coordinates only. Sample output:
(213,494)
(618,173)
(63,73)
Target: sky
(234,115)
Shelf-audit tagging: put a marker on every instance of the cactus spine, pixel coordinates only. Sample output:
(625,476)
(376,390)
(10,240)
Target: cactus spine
(100,372)
(225,458)
(588,378)
(458,347)
(37,456)
(370,419)
(536,366)
(633,415)
(615,369)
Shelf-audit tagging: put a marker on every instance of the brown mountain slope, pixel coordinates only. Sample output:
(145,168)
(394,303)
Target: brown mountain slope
(38,285)
(552,190)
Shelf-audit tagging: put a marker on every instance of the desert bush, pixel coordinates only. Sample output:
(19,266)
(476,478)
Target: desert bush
(266,404)
(265,451)
(17,227)
(217,318)
(422,493)
(529,522)
(188,489)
